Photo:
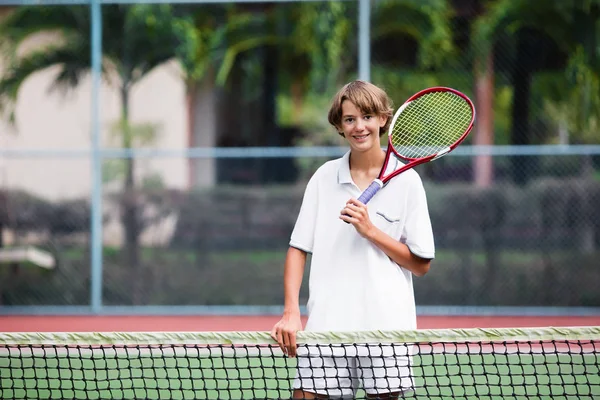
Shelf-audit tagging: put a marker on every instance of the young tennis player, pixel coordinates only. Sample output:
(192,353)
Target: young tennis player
(363,258)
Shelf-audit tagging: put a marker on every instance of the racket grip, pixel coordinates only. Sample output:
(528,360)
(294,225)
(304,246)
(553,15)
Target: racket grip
(370,191)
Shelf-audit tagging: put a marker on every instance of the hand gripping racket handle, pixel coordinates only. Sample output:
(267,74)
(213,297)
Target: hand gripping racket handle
(369,192)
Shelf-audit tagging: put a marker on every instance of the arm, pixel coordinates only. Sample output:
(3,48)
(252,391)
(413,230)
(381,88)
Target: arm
(356,213)
(284,331)
(398,252)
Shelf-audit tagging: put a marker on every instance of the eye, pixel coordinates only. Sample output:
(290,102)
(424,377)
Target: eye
(348,120)
(368,117)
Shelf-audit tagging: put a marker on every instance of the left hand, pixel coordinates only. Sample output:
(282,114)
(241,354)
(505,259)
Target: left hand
(357,214)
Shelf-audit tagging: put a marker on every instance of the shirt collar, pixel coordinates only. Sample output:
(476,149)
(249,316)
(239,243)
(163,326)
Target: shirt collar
(344,170)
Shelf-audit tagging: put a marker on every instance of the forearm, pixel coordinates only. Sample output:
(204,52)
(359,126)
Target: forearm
(292,279)
(284,331)
(399,252)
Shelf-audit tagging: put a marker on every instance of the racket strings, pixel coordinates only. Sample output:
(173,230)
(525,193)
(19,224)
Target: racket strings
(430,124)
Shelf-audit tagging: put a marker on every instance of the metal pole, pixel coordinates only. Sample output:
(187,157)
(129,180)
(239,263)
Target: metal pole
(364,40)
(96,211)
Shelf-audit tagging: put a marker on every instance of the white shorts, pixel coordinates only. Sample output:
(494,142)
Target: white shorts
(340,372)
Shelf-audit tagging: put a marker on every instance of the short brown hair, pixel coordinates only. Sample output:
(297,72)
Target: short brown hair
(367,97)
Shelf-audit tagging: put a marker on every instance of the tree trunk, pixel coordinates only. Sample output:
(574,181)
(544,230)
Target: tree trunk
(130,216)
(484,134)
(202,129)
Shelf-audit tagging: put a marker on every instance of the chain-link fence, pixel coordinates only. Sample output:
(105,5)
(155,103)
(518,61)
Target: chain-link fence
(212,117)
(504,244)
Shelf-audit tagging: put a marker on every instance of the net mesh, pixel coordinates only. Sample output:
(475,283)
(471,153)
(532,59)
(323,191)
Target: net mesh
(433,364)
(430,124)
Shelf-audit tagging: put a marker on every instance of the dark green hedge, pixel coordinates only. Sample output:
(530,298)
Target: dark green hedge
(503,245)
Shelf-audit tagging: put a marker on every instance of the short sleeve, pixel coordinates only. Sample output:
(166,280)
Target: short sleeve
(304,230)
(417,233)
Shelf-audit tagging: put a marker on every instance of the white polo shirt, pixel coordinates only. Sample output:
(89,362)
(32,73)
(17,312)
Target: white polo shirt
(354,285)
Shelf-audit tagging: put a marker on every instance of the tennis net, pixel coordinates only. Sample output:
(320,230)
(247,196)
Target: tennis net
(507,363)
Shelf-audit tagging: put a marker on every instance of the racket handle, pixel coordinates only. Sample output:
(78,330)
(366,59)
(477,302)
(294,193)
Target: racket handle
(369,192)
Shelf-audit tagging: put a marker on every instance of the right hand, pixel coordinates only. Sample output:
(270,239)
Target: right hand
(284,332)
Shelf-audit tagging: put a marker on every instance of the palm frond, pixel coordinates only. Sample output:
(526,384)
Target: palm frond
(72,66)
(243,32)
(19,24)
(554,19)
(426,21)
(234,51)
(145,36)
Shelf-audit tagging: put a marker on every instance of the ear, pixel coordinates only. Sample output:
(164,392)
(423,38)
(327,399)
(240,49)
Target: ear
(382,120)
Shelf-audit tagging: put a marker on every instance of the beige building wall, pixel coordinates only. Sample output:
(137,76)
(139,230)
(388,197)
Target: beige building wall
(61,122)
(56,121)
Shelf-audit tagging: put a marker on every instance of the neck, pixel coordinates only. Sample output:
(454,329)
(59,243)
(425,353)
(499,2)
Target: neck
(367,160)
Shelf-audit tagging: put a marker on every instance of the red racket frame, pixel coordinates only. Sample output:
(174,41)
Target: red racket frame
(413,162)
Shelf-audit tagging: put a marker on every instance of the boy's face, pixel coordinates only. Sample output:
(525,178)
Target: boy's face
(360,130)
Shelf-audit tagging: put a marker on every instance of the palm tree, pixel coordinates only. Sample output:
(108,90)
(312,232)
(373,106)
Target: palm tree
(483,71)
(217,35)
(290,47)
(136,39)
(571,26)
(306,47)
(568,24)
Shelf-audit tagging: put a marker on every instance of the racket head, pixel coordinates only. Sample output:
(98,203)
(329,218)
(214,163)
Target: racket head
(430,124)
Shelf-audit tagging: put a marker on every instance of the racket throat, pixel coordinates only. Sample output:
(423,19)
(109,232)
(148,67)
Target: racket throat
(441,153)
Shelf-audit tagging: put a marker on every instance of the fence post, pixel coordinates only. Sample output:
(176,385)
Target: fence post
(364,40)
(96,201)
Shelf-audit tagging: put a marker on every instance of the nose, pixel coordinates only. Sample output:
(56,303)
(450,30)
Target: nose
(360,124)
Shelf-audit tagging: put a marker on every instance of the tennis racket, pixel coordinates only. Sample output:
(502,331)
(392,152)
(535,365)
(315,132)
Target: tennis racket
(426,127)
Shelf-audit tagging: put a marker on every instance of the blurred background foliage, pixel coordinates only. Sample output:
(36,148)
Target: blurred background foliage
(293,56)
(263,74)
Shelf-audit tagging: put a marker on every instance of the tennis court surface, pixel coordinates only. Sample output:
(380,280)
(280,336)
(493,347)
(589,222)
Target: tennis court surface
(502,363)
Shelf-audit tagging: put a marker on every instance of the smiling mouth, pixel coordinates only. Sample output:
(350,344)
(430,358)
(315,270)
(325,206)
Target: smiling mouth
(361,136)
